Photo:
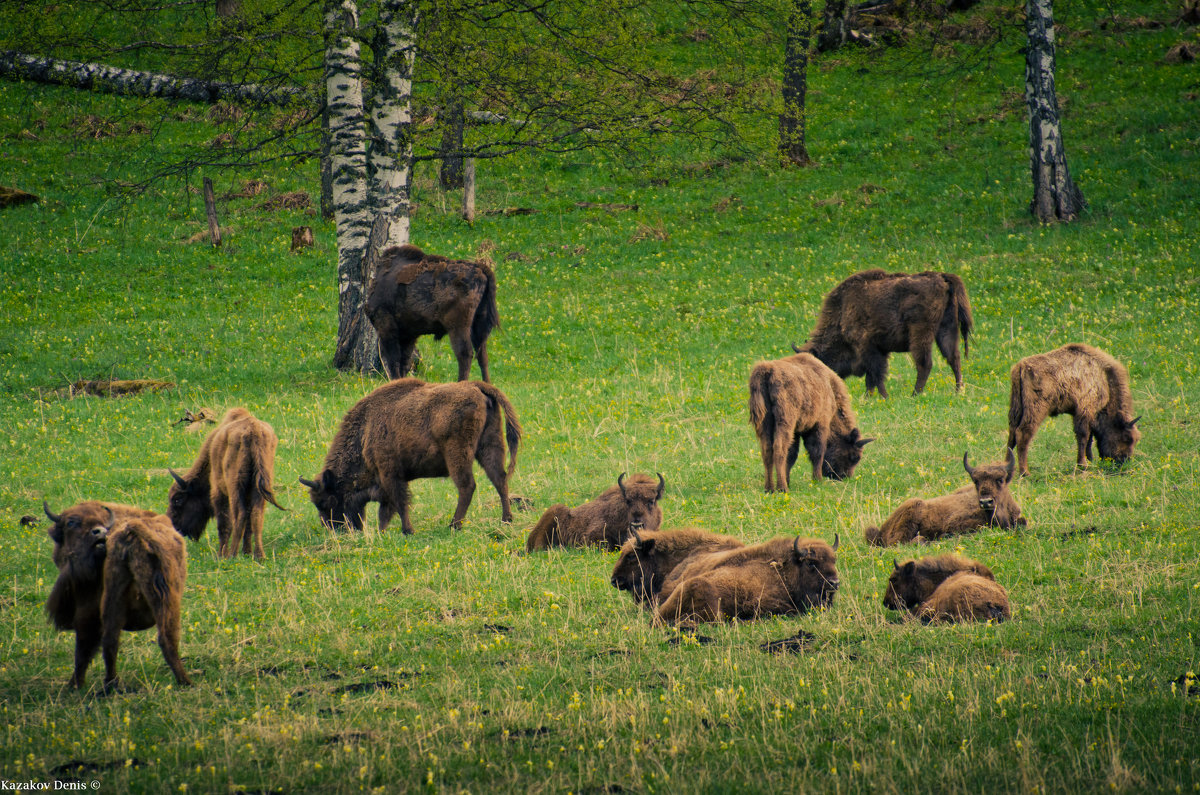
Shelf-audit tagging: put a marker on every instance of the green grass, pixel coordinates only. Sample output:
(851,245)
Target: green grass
(444,661)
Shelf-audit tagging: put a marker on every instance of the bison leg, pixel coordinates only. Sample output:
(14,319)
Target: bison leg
(779,458)
(238,521)
(947,342)
(814,445)
(113,611)
(491,458)
(386,512)
(396,355)
(397,497)
(922,356)
(87,643)
(460,343)
(257,515)
(1083,440)
(221,511)
(166,617)
(464,481)
(767,450)
(875,371)
(481,355)
(1019,439)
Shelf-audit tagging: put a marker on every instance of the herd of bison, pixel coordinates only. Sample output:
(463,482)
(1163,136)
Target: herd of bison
(124,568)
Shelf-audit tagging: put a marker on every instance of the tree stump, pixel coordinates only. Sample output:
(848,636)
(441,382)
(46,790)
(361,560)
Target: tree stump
(302,237)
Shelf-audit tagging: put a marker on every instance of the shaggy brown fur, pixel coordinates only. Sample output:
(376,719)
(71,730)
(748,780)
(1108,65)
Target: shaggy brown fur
(914,582)
(231,480)
(649,557)
(1084,382)
(415,293)
(987,502)
(873,313)
(607,520)
(119,567)
(967,597)
(406,430)
(798,399)
(784,576)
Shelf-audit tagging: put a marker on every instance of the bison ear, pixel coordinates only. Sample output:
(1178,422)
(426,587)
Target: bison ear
(909,568)
(328,480)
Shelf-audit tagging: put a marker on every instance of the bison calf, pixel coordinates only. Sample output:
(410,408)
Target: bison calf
(120,568)
(415,293)
(914,582)
(873,313)
(783,576)
(231,480)
(406,430)
(967,597)
(649,557)
(1084,382)
(987,502)
(797,400)
(619,511)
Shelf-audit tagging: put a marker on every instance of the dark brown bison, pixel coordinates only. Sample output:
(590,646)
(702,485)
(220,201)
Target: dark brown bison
(873,313)
(649,557)
(915,581)
(797,400)
(414,293)
(231,480)
(1084,382)
(607,520)
(783,576)
(967,597)
(406,430)
(119,568)
(987,502)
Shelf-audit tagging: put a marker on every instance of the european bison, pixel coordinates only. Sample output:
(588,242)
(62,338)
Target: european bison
(914,582)
(783,576)
(120,567)
(649,557)
(231,480)
(798,399)
(1084,382)
(873,313)
(967,597)
(409,429)
(415,293)
(607,520)
(987,502)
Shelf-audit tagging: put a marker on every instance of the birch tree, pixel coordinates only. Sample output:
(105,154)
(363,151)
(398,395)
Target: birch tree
(1055,195)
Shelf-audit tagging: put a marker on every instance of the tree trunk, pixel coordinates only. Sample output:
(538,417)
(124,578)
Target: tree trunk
(326,167)
(453,122)
(353,213)
(835,25)
(468,202)
(210,209)
(1055,195)
(390,151)
(228,8)
(792,149)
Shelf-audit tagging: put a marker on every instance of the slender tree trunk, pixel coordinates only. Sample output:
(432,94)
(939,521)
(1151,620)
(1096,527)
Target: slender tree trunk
(835,25)
(1055,195)
(453,122)
(792,148)
(326,167)
(390,154)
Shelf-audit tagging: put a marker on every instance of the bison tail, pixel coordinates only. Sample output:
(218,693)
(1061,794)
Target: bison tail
(259,481)
(512,425)
(874,536)
(545,533)
(1016,403)
(962,308)
(762,414)
(487,315)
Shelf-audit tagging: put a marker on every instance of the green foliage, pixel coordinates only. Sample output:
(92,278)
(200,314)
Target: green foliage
(444,661)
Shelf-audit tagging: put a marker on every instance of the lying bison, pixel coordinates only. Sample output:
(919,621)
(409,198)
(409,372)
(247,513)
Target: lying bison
(119,568)
(987,502)
(649,557)
(798,399)
(406,430)
(1084,382)
(414,293)
(607,520)
(873,313)
(914,582)
(967,597)
(231,480)
(783,576)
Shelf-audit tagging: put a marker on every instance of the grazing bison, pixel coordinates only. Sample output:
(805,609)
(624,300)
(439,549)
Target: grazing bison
(649,557)
(967,597)
(231,480)
(1084,382)
(415,293)
(874,313)
(783,576)
(607,520)
(119,568)
(409,429)
(987,502)
(914,582)
(798,399)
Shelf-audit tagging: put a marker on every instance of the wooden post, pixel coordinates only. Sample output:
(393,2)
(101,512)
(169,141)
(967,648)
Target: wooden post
(210,207)
(468,207)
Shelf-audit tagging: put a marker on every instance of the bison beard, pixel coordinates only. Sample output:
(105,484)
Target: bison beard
(872,314)
(630,506)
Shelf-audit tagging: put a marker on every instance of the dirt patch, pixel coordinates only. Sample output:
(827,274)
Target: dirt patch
(118,387)
(294,200)
(793,645)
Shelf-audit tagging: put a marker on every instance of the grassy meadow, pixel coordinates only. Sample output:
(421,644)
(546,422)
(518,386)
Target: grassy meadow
(447,662)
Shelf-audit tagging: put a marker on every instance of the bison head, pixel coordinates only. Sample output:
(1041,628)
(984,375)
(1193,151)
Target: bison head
(991,482)
(188,505)
(1116,437)
(332,505)
(637,569)
(816,576)
(641,496)
(80,536)
(842,454)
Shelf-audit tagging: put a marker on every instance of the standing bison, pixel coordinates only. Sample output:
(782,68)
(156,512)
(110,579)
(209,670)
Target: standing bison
(987,502)
(231,480)
(873,313)
(649,557)
(119,568)
(414,293)
(409,429)
(607,520)
(1084,382)
(798,399)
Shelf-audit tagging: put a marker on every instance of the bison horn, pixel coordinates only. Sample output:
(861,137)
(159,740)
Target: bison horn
(800,553)
(1134,421)
(621,484)
(111,520)
(796,348)
(637,539)
(662,484)
(309,483)
(1010,464)
(895,565)
(46,507)
(183,484)
(836,540)
(967,465)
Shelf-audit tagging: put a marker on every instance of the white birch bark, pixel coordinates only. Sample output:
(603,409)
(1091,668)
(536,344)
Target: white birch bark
(390,155)
(1055,195)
